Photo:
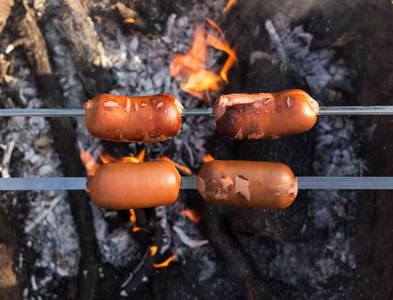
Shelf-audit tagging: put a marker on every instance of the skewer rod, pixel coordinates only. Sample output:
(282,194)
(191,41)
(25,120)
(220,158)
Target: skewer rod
(323,111)
(44,112)
(345,183)
(355,110)
(306,183)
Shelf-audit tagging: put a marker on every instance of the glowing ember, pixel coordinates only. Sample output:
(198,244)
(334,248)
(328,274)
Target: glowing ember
(133,221)
(192,215)
(190,67)
(89,162)
(153,250)
(180,167)
(165,263)
(229,5)
(129,20)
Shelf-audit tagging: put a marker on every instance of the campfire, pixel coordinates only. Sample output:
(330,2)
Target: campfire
(212,68)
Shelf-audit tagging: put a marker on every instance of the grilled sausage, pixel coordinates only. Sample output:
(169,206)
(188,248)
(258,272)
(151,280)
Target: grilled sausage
(265,115)
(133,119)
(247,184)
(134,185)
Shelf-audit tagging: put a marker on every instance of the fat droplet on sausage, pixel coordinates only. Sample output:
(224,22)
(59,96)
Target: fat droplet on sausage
(128,105)
(111,103)
(159,105)
(255,136)
(242,187)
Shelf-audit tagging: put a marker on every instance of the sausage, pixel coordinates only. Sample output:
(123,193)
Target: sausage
(265,115)
(134,185)
(247,184)
(133,119)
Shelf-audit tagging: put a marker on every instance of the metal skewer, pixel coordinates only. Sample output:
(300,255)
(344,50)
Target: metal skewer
(323,111)
(305,183)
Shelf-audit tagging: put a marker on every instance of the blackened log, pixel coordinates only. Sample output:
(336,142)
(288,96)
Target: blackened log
(74,24)
(9,285)
(48,83)
(377,89)
(266,74)
(235,260)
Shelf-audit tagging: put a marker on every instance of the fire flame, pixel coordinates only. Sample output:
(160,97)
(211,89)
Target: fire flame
(106,158)
(229,5)
(133,221)
(190,67)
(166,262)
(89,162)
(153,250)
(180,167)
(192,215)
(207,158)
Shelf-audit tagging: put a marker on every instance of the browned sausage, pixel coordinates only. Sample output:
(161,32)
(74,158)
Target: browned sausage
(133,119)
(134,185)
(265,115)
(247,183)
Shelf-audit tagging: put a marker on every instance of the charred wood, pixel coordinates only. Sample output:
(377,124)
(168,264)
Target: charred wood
(9,286)
(74,24)
(265,73)
(234,258)
(377,89)
(35,48)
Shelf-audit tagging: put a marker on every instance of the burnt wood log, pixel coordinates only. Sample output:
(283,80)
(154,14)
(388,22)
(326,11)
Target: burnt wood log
(35,48)
(234,258)
(74,24)
(9,285)
(266,74)
(377,89)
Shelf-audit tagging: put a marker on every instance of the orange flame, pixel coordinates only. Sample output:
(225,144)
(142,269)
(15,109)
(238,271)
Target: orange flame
(165,263)
(223,45)
(133,221)
(141,155)
(190,67)
(106,158)
(184,65)
(129,20)
(89,162)
(192,215)
(153,250)
(207,158)
(180,167)
(229,5)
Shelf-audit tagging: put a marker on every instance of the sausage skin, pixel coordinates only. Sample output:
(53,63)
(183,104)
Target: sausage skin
(265,115)
(145,119)
(134,185)
(247,184)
